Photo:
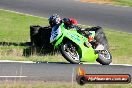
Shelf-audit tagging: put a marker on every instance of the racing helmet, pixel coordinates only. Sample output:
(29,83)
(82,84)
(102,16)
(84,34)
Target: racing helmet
(54,19)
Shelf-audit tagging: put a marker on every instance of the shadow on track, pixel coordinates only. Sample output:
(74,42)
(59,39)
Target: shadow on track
(45,62)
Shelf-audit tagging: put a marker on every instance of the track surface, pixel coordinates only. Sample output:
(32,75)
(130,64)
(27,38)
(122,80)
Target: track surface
(119,18)
(54,71)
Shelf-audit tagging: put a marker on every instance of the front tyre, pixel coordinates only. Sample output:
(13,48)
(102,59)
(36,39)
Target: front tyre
(69,52)
(105,57)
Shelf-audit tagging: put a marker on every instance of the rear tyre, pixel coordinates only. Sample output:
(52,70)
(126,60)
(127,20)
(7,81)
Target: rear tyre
(70,53)
(100,36)
(105,57)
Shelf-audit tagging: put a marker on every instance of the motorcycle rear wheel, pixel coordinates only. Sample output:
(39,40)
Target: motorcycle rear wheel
(104,58)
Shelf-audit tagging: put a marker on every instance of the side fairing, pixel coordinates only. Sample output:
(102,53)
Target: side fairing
(59,34)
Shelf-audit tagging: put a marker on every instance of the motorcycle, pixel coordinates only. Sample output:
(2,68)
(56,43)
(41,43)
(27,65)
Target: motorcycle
(75,47)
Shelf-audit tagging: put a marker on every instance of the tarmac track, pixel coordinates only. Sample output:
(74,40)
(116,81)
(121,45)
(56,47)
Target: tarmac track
(62,72)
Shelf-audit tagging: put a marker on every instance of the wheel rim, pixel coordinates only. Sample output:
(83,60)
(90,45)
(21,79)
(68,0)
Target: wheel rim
(105,54)
(71,51)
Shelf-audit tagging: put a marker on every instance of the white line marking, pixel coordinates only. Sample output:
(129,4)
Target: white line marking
(73,74)
(23,13)
(13,76)
(123,64)
(110,64)
(2,61)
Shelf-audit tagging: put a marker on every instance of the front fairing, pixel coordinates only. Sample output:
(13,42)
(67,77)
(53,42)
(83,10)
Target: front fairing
(55,33)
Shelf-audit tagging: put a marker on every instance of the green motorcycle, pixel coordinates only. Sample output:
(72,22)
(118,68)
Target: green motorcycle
(75,47)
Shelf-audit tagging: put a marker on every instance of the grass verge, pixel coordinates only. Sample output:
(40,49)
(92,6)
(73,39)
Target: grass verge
(114,2)
(123,2)
(41,84)
(15,33)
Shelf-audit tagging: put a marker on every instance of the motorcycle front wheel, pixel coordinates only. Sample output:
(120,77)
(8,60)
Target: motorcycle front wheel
(69,52)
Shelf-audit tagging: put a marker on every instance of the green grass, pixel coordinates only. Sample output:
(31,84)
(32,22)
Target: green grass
(15,27)
(14,31)
(114,2)
(120,46)
(41,84)
(123,2)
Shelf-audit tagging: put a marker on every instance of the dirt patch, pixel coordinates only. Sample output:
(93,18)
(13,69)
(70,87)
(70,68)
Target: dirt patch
(11,52)
(98,1)
(122,60)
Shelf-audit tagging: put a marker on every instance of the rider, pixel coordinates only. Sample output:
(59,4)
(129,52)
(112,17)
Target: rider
(70,23)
